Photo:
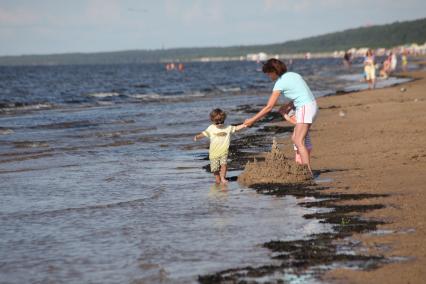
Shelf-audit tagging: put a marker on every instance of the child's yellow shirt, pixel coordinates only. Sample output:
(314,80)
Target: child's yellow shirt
(220,139)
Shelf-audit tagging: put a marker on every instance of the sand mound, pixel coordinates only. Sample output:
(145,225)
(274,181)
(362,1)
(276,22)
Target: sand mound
(276,168)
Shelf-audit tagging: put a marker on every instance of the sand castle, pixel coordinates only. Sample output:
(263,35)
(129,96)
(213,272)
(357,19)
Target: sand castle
(276,168)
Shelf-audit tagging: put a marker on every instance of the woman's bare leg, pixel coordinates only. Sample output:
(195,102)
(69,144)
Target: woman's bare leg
(298,137)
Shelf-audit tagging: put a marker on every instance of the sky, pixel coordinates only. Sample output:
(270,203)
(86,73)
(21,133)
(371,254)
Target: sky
(62,26)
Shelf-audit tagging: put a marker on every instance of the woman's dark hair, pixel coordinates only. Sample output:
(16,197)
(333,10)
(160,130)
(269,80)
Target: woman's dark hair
(217,116)
(274,65)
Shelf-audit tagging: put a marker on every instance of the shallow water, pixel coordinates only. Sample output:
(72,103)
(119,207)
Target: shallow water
(98,195)
(103,184)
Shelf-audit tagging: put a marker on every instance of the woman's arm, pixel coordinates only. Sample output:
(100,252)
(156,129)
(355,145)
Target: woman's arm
(265,110)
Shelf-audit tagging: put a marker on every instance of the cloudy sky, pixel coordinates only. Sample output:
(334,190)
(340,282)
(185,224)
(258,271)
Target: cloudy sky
(58,26)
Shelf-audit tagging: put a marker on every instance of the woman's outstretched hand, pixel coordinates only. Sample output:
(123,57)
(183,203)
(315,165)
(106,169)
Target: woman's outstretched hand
(249,122)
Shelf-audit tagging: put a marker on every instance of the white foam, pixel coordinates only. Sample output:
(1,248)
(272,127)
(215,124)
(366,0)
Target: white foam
(27,107)
(146,97)
(103,95)
(158,97)
(229,89)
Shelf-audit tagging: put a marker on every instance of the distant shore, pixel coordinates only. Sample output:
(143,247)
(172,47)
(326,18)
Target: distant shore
(373,142)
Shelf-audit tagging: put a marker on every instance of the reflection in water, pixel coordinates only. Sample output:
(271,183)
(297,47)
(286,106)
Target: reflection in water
(218,191)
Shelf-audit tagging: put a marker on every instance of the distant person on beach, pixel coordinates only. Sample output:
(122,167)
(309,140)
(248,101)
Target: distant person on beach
(394,61)
(290,115)
(220,139)
(404,61)
(293,87)
(347,59)
(386,68)
(370,69)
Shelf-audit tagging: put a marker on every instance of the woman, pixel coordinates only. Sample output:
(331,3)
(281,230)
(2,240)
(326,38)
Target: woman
(293,87)
(370,69)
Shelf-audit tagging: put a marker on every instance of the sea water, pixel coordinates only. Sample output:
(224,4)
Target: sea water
(101,182)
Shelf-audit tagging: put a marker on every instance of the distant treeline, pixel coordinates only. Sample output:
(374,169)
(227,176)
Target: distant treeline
(386,36)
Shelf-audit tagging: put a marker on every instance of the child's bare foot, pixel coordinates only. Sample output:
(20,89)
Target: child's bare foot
(224,181)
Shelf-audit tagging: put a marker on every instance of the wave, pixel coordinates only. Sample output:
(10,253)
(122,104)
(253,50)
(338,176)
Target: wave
(146,97)
(6,107)
(154,97)
(103,95)
(229,89)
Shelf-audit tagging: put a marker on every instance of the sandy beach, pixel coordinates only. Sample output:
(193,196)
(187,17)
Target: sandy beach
(374,142)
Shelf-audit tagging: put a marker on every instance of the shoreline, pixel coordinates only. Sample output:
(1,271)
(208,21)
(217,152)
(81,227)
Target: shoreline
(360,159)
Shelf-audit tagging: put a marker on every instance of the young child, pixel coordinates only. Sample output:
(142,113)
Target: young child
(289,115)
(220,138)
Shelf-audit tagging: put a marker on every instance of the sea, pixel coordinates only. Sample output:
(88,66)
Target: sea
(101,182)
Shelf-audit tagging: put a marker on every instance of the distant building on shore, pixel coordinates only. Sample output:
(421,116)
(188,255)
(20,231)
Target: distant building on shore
(261,56)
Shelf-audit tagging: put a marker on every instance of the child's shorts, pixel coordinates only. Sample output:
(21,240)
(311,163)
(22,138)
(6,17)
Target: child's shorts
(307,113)
(216,163)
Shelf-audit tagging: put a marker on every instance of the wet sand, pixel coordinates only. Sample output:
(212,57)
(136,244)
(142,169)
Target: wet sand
(374,142)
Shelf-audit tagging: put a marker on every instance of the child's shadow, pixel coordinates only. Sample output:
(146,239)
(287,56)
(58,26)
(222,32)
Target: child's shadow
(234,178)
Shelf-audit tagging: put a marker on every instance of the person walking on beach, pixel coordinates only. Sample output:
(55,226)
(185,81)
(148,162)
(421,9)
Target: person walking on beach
(404,61)
(347,59)
(394,61)
(220,139)
(293,87)
(370,69)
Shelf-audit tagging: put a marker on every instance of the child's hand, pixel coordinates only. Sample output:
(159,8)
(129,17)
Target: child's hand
(286,108)
(287,117)
(239,127)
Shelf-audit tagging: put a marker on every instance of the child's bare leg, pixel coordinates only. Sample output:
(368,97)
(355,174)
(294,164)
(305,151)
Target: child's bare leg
(217,176)
(223,169)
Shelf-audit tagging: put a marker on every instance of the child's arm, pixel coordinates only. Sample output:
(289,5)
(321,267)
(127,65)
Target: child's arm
(239,127)
(290,119)
(286,108)
(199,136)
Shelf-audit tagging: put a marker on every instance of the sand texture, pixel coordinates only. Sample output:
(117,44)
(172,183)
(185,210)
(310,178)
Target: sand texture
(375,142)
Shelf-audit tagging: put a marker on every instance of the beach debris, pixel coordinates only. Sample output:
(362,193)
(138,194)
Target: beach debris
(342,113)
(275,169)
(403,89)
